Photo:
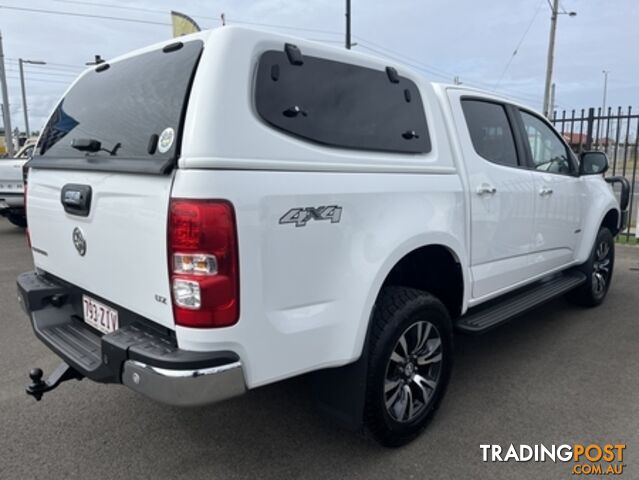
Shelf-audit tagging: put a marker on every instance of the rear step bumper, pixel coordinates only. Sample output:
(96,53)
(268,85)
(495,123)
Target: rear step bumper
(144,358)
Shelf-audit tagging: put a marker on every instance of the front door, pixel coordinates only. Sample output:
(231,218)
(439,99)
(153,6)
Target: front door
(558,199)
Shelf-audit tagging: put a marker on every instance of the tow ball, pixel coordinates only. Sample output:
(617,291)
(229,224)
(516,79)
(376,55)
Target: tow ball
(37,388)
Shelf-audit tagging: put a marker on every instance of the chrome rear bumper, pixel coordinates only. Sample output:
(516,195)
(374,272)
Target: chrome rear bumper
(185,388)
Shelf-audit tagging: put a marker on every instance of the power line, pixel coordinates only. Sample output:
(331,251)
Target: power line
(394,54)
(516,50)
(30,73)
(121,7)
(271,25)
(151,22)
(528,98)
(40,80)
(85,15)
(65,67)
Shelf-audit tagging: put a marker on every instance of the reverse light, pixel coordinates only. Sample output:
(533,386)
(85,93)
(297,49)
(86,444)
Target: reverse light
(194,263)
(203,263)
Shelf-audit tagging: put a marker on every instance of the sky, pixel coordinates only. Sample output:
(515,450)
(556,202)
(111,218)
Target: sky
(442,39)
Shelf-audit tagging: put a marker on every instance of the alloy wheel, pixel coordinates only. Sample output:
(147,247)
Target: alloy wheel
(413,371)
(601,268)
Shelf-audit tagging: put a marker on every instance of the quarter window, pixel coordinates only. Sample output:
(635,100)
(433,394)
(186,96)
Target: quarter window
(340,104)
(490,131)
(548,152)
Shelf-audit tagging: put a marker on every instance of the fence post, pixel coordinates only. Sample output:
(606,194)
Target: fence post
(589,128)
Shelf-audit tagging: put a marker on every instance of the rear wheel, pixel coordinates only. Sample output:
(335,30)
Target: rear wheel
(17,220)
(411,354)
(599,269)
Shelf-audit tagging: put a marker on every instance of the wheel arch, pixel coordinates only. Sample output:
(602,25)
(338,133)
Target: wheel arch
(609,218)
(611,221)
(422,249)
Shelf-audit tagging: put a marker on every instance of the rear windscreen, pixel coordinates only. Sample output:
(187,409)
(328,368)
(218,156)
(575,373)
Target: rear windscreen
(125,116)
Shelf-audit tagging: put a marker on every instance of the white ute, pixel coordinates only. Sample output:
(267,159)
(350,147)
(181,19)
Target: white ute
(235,208)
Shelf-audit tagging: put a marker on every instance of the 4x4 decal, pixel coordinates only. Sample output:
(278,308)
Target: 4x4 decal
(301,216)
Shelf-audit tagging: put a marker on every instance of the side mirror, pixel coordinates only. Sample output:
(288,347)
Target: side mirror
(593,163)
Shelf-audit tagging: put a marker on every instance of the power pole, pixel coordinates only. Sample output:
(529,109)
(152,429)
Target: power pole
(348,24)
(552,99)
(8,134)
(24,99)
(551,56)
(551,52)
(605,92)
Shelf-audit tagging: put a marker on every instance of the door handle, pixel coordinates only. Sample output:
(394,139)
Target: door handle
(545,191)
(485,189)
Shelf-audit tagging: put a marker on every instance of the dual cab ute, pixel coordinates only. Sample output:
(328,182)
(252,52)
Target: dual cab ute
(235,208)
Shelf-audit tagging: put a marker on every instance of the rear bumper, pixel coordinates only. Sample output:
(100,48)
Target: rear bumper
(185,387)
(139,354)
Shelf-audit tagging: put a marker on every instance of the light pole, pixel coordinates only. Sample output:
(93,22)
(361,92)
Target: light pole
(605,92)
(348,25)
(6,113)
(551,52)
(21,62)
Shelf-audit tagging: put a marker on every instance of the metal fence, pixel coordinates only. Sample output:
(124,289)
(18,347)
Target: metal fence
(616,132)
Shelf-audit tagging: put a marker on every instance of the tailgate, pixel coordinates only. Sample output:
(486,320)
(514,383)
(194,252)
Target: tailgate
(125,259)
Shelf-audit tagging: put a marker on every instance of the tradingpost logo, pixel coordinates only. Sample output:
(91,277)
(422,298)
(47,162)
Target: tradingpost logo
(592,459)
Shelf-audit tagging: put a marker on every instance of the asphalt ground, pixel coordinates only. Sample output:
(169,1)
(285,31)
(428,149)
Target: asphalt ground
(559,375)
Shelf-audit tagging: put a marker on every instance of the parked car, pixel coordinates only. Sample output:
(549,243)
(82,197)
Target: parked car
(12,185)
(235,208)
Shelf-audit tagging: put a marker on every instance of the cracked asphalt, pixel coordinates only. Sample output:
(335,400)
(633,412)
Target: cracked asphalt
(560,374)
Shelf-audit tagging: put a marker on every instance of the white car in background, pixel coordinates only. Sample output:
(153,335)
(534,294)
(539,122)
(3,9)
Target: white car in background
(12,185)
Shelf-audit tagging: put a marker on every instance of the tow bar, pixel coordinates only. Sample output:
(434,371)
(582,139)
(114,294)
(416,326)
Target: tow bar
(61,374)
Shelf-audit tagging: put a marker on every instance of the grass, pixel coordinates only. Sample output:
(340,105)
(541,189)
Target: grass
(623,240)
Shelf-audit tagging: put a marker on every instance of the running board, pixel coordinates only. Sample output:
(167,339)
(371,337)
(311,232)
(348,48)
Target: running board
(485,317)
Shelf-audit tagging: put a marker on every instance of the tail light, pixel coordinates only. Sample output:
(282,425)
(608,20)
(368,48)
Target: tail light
(203,263)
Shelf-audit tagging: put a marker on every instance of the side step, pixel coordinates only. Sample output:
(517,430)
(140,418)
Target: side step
(485,317)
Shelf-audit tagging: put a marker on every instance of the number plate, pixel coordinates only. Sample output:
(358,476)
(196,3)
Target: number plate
(99,316)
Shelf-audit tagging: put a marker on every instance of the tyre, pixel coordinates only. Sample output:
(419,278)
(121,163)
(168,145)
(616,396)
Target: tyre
(18,220)
(410,362)
(599,269)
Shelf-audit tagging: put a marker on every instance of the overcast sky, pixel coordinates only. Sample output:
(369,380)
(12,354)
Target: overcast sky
(472,39)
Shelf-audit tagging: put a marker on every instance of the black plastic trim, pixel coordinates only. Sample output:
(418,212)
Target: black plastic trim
(155,166)
(294,54)
(55,310)
(80,206)
(172,47)
(393,76)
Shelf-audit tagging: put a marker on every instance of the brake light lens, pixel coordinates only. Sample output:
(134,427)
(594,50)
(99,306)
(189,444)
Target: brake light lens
(203,263)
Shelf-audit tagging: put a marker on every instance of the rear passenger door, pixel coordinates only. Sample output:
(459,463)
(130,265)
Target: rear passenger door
(558,191)
(501,193)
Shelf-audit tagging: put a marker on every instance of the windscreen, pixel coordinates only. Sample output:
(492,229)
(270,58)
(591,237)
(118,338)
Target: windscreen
(124,116)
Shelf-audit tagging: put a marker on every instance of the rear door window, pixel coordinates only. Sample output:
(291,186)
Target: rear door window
(490,131)
(341,105)
(132,111)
